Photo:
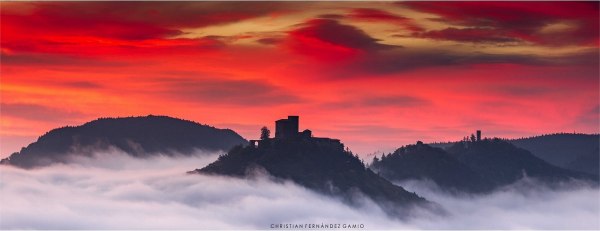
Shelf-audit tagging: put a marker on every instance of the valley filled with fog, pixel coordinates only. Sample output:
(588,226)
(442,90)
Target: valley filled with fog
(116,191)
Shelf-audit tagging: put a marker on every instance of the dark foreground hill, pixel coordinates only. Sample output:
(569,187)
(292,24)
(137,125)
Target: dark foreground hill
(319,164)
(136,136)
(478,166)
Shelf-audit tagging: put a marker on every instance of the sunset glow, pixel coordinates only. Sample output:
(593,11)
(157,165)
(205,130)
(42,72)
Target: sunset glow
(375,75)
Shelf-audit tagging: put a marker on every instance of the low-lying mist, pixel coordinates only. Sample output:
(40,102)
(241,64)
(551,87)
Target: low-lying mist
(526,204)
(116,191)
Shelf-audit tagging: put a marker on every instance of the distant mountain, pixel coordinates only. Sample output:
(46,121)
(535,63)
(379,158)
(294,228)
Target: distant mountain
(422,161)
(558,149)
(503,163)
(137,136)
(477,166)
(319,164)
(586,163)
(563,149)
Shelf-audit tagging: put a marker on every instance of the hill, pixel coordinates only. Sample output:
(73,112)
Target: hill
(137,136)
(422,161)
(561,149)
(501,162)
(473,166)
(586,163)
(319,164)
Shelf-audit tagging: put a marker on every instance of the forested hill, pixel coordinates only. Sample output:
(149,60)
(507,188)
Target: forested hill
(473,166)
(320,165)
(566,150)
(136,136)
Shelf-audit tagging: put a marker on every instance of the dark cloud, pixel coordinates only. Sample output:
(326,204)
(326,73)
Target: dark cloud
(376,15)
(128,20)
(213,42)
(374,130)
(325,39)
(399,100)
(224,91)
(473,35)
(270,41)
(38,112)
(523,91)
(28,59)
(81,84)
(516,20)
(399,60)
(331,16)
(589,57)
(332,33)
(396,101)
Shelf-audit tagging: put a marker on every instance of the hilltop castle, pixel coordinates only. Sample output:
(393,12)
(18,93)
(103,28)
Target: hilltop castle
(288,130)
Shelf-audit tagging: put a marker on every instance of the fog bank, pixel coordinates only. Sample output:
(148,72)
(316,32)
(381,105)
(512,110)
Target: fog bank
(116,191)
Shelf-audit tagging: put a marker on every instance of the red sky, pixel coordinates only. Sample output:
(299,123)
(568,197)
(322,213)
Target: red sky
(376,75)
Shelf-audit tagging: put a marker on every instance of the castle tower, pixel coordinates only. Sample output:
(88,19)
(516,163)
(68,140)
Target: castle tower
(478,135)
(287,128)
(294,124)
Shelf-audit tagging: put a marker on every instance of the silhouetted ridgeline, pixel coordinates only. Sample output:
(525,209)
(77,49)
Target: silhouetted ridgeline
(422,161)
(566,150)
(474,166)
(320,164)
(137,136)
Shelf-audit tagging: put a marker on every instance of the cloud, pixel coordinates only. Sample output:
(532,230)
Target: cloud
(376,131)
(397,101)
(116,191)
(473,35)
(376,15)
(118,29)
(80,84)
(269,41)
(329,40)
(127,20)
(79,20)
(541,23)
(225,91)
(36,59)
(588,115)
(346,51)
(38,112)
(331,16)
(336,34)
(400,60)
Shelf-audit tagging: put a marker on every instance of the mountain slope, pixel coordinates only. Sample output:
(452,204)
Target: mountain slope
(561,149)
(478,166)
(318,164)
(137,136)
(557,149)
(502,163)
(422,161)
(587,163)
